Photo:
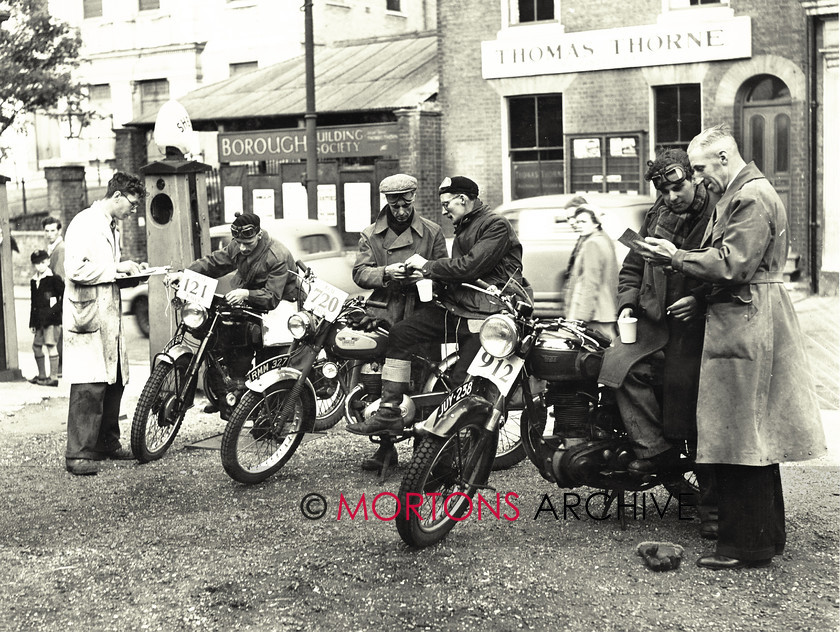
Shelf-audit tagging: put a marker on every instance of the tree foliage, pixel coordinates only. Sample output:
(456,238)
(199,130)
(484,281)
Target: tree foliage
(37,57)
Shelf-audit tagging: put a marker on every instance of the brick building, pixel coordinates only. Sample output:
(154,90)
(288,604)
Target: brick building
(544,96)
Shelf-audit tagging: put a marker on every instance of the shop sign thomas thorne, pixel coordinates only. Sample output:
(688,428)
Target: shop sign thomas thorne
(526,55)
(290,144)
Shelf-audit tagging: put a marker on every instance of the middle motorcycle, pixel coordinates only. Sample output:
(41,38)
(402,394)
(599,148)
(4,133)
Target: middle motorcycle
(519,356)
(270,421)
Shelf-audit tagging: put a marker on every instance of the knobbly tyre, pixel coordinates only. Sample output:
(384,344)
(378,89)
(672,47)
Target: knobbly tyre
(205,337)
(271,419)
(588,446)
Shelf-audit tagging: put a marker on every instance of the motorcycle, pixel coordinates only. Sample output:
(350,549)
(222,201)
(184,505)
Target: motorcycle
(205,339)
(559,360)
(269,423)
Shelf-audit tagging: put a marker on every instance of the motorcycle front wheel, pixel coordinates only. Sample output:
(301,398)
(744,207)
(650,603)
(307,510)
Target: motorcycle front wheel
(255,444)
(441,481)
(157,417)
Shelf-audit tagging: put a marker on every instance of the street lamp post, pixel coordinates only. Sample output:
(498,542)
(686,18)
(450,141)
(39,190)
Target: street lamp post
(310,116)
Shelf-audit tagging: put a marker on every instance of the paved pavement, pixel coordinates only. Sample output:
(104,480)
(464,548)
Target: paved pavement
(818,316)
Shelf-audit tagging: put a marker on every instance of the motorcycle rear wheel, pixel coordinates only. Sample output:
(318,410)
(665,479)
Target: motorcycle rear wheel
(253,447)
(156,420)
(459,464)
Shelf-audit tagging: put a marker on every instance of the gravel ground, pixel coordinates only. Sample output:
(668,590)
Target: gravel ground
(177,545)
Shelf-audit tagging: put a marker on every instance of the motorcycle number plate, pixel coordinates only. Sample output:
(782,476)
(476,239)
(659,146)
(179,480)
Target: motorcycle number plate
(501,371)
(457,394)
(197,288)
(325,300)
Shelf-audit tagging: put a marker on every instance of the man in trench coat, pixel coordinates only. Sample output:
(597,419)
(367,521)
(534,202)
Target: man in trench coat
(398,232)
(756,403)
(94,346)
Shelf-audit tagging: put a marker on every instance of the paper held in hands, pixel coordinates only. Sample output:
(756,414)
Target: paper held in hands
(130,280)
(632,240)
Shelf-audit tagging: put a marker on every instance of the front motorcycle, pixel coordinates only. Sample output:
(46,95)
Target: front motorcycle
(520,354)
(208,339)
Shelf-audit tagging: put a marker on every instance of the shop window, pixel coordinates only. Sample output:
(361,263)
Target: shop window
(536,145)
(392,5)
(609,163)
(149,5)
(676,115)
(153,94)
(242,67)
(92,8)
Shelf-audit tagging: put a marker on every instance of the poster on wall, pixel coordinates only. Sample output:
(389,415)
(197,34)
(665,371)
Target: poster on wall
(623,146)
(327,204)
(233,202)
(586,147)
(264,203)
(356,206)
(295,204)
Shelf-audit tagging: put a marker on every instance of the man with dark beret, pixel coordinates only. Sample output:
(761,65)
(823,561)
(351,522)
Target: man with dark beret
(486,247)
(263,278)
(398,233)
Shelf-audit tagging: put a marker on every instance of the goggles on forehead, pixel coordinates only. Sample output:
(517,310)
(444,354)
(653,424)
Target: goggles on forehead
(395,198)
(244,232)
(672,174)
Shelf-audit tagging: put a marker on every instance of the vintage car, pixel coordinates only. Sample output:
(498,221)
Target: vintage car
(548,238)
(311,241)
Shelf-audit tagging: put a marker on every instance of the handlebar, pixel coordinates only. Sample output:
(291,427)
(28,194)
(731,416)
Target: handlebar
(302,266)
(377,304)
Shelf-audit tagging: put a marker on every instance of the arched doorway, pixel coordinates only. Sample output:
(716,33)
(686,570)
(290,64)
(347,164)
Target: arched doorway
(765,121)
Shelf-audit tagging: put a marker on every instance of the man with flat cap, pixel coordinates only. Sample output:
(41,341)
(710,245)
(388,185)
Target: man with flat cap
(486,247)
(398,233)
(263,278)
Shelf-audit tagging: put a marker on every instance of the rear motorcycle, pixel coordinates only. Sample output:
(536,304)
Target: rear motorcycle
(588,446)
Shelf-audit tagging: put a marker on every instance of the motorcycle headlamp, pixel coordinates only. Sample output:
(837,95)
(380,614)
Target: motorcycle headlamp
(193,315)
(499,336)
(300,324)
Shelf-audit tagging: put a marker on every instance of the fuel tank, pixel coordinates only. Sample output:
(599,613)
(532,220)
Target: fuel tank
(355,344)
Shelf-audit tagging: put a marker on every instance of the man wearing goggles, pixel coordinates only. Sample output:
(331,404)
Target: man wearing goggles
(670,329)
(263,276)
(398,233)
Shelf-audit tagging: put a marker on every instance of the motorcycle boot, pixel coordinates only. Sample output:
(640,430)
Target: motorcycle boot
(388,419)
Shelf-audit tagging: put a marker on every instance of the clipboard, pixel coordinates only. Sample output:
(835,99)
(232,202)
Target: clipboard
(131,280)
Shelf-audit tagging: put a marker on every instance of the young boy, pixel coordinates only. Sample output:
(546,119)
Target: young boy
(47,290)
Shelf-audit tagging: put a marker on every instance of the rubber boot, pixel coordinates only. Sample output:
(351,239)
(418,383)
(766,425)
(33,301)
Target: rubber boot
(388,419)
(386,451)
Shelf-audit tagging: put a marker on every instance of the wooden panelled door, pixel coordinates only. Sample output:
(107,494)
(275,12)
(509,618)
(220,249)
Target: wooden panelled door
(766,125)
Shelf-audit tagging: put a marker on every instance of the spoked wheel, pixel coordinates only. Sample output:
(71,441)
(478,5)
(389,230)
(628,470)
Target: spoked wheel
(256,443)
(330,393)
(510,450)
(442,478)
(157,418)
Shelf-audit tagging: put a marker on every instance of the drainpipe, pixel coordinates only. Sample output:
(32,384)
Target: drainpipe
(813,104)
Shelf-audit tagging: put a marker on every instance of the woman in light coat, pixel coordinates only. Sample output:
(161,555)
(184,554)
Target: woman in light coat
(593,279)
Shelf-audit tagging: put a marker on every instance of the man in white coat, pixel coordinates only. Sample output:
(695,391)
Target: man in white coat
(96,359)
